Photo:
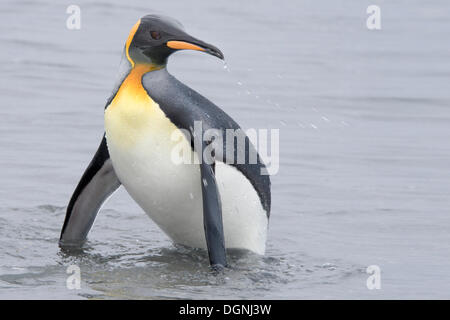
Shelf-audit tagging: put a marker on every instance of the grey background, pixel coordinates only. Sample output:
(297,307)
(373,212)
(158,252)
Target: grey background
(364,129)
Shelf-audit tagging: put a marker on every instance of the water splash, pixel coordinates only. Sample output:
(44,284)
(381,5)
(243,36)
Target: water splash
(244,89)
(225,66)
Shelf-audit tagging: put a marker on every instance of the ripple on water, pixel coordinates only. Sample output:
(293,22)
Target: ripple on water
(119,266)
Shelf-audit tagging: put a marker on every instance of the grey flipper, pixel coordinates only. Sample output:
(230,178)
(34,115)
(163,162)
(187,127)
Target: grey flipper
(98,182)
(212,216)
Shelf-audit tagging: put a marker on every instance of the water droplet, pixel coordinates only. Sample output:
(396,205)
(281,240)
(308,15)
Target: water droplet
(313,126)
(225,67)
(205,183)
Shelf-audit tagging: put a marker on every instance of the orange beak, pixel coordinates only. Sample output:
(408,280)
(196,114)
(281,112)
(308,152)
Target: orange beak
(194,44)
(178,45)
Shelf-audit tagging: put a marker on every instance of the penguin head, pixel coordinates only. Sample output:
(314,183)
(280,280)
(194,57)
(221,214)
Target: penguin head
(154,38)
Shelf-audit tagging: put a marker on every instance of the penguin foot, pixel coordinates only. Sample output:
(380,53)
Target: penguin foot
(217,269)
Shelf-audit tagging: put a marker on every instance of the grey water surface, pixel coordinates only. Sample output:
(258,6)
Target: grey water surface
(364,120)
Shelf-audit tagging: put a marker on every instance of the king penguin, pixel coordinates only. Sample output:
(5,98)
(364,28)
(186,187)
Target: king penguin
(214,204)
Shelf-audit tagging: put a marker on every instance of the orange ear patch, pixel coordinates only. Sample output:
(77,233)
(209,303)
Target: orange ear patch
(130,38)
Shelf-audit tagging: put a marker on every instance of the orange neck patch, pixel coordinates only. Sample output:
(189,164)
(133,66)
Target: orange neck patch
(132,112)
(133,82)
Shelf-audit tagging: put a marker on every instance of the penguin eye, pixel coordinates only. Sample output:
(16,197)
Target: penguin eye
(155,35)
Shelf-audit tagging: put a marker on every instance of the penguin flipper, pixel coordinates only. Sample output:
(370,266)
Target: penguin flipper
(212,217)
(98,182)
